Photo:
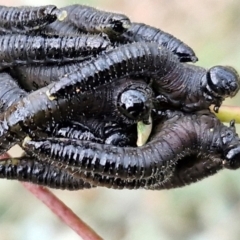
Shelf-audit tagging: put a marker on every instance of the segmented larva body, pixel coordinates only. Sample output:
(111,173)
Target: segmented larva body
(29,169)
(136,60)
(183,86)
(173,142)
(25,19)
(46,174)
(91,20)
(142,32)
(10,92)
(23,49)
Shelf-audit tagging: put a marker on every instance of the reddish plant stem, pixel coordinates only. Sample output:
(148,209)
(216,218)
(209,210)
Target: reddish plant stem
(62,211)
(4,156)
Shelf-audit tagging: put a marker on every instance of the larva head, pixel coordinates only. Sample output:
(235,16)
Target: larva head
(48,10)
(185,53)
(222,81)
(53,13)
(135,102)
(230,146)
(117,24)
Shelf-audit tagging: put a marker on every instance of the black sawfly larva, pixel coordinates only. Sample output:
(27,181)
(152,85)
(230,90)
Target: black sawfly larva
(178,137)
(142,32)
(180,85)
(23,49)
(91,20)
(130,60)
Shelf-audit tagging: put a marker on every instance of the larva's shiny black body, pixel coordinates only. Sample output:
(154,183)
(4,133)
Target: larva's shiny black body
(106,103)
(22,49)
(91,20)
(26,19)
(80,107)
(179,85)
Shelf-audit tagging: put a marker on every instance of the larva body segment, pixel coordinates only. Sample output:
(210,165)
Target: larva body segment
(23,49)
(91,20)
(142,32)
(25,19)
(29,169)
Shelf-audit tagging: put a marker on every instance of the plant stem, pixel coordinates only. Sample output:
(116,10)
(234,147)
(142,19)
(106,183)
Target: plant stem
(228,113)
(63,212)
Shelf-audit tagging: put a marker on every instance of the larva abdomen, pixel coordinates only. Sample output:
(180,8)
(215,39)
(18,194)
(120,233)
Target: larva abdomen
(23,49)
(142,32)
(25,19)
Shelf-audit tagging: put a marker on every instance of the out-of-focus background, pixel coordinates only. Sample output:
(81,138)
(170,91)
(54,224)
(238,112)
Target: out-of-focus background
(207,210)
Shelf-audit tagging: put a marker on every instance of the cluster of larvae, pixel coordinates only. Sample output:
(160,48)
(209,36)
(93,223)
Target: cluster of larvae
(96,100)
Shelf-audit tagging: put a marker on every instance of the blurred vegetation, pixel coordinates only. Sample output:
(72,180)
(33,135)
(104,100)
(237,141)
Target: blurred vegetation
(209,209)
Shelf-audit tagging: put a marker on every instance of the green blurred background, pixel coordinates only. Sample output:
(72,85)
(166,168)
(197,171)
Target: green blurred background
(207,210)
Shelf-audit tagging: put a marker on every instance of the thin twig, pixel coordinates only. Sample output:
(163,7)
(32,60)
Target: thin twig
(228,113)
(62,211)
